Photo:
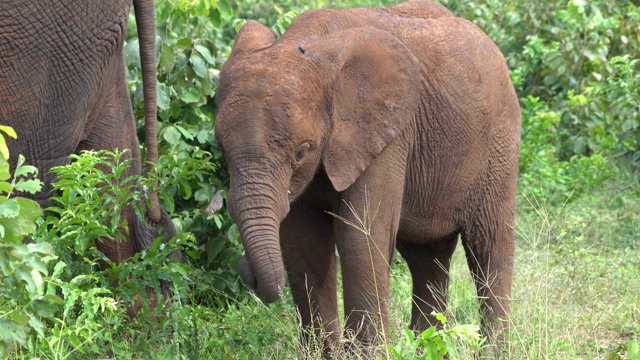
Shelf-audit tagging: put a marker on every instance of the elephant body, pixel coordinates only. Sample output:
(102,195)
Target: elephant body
(368,130)
(63,87)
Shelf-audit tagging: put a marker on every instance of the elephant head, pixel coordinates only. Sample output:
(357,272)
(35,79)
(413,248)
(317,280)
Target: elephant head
(305,103)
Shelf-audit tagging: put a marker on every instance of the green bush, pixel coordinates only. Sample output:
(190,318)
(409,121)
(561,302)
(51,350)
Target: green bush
(55,299)
(574,65)
(23,267)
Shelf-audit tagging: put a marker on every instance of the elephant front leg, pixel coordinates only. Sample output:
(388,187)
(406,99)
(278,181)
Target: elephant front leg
(308,248)
(366,231)
(365,253)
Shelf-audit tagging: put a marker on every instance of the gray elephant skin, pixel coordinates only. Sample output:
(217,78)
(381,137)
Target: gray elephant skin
(63,88)
(368,130)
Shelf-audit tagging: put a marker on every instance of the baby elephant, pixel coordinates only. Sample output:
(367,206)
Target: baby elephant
(370,130)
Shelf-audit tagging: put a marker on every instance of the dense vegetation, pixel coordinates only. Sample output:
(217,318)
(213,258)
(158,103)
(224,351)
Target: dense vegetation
(576,70)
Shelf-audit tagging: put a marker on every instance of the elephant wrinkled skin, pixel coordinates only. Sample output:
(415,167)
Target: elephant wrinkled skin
(403,118)
(63,88)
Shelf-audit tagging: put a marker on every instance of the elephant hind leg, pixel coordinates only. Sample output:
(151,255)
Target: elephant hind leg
(489,247)
(429,267)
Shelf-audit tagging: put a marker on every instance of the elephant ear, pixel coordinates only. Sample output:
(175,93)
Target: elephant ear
(374,94)
(253,36)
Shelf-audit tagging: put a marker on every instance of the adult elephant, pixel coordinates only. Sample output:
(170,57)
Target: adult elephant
(63,88)
(365,130)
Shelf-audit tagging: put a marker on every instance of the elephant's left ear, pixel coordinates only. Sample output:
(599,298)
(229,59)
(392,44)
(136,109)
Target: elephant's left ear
(374,86)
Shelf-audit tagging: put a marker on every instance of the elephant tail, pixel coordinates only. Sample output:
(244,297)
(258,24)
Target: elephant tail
(145,18)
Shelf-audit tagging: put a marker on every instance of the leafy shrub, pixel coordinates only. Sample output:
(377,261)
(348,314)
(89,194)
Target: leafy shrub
(542,173)
(23,267)
(434,343)
(56,287)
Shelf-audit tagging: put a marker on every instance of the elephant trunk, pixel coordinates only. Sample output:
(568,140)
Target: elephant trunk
(258,214)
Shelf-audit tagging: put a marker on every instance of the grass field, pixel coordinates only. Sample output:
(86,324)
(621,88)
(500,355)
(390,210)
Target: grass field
(576,288)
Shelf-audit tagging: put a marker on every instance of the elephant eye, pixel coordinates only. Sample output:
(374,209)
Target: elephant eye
(302,151)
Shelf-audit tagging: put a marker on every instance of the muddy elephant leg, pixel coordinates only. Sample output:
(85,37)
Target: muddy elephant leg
(365,252)
(489,246)
(308,249)
(365,237)
(429,267)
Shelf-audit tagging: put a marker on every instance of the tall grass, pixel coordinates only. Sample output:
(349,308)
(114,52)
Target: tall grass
(576,288)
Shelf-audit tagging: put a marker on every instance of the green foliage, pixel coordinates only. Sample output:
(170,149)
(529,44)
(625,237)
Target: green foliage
(56,300)
(23,267)
(434,343)
(194,40)
(91,194)
(574,64)
(541,171)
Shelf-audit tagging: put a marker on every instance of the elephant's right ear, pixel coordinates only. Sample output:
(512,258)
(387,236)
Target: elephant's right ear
(253,36)
(374,87)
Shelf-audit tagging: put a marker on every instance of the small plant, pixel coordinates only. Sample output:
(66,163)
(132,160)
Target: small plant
(434,343)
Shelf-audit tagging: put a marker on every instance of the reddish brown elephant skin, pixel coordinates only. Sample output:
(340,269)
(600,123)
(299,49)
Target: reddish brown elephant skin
(405,116)
(63,86)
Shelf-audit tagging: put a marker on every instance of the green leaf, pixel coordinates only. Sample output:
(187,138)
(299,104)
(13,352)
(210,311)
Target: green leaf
(29,209)
(37,280)
(36,324)
(5,187)
(4,150)
(4,169)
(168,58)
(215,18)
(23,275)
(24,170)
(202,136)
(58,268)
(218,220)
(198,65)
(9,131)
(633,350)
(190,96)
(185,42)
(186,134)
(11,332)
(30,186)
(225,10)
(16,229)
(10,209)
(171,134)
(54,299)
(205,53)
(164,100)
